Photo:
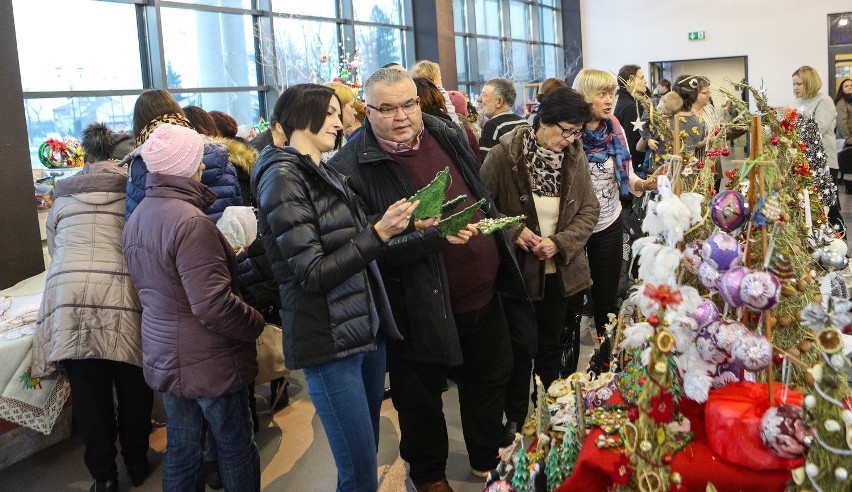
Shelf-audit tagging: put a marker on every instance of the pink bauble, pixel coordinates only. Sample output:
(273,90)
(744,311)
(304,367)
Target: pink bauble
(692,255)
(729,210)
(760,290)
(754,351)
(709,276)
(783,431)
(727,334)
(727,373)
(721,251)
(499,486)
(729,286)
(705,313)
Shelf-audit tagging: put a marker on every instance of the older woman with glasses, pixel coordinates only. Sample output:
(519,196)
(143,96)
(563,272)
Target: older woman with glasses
(541,172)
(613,179)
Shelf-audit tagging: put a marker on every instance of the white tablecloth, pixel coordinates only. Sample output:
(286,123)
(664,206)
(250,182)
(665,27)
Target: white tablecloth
(38,407)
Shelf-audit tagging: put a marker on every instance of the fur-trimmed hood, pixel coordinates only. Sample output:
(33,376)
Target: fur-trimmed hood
(241,155)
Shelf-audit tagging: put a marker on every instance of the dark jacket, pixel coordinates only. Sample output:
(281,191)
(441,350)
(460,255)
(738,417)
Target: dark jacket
(198,336)
(219,175)
(625,111)
(320,248)
(505,174)
(413,267)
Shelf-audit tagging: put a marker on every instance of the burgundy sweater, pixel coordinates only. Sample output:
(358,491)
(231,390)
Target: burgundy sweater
(472,267)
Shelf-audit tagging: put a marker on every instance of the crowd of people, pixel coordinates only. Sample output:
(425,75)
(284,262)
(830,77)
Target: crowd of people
(145,293)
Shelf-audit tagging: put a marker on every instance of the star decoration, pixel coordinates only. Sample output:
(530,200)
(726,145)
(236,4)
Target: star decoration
(638,125)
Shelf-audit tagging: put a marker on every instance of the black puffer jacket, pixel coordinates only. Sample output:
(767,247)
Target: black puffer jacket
(320,248)
(413,267)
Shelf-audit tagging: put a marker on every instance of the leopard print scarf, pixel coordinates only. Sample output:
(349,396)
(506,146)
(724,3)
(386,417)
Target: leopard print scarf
(544,166)
(172,118)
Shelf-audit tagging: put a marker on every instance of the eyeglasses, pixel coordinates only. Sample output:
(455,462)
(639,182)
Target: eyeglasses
(407,107)
(566,132)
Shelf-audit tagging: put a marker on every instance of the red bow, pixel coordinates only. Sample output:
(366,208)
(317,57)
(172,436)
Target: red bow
(663,294)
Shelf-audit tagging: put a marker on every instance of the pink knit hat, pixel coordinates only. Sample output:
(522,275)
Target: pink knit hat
(174,150)
(459,100)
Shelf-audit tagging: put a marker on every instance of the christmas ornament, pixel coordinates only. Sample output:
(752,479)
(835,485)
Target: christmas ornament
(705,313)
(838,246)
(760,290)
(451,225)
(692,255)
(707,347)
(783,431)
(754,351)
(782,267)
(729,286)
(489,226)
(709,276)
(431,197)
(727,373)
(721,251)
(729,210)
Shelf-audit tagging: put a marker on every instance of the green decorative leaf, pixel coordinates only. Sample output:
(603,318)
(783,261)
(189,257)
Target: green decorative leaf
(489,226)
(451,205)
(456,222)
(431,197)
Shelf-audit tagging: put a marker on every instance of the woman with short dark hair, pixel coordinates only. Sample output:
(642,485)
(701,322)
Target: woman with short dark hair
(334,310)
(541,172)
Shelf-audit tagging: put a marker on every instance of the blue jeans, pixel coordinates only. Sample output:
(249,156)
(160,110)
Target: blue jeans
(229,419)
(347,394)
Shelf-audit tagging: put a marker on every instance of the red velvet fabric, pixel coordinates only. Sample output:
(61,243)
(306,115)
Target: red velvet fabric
(733,413)
(697,464)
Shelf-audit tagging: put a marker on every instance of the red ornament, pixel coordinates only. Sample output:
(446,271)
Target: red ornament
(667,459)
(621,470)
(713,168)
(654,320)
(777,359)
(755,317)
(662,408)
(773,139)
(700,165)
(726,152)
(632,413)
(846,329)
(664,295)
(803,147)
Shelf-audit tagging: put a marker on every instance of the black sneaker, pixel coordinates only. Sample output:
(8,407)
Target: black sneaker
(110,485)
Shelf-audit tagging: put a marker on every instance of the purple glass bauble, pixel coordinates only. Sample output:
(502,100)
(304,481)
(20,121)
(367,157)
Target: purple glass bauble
(709,276)
(729,210)
(783,431)
(727,373)
(721,251)
(692,255)
(760,290)
(729,286)
(705,313)
(754,351)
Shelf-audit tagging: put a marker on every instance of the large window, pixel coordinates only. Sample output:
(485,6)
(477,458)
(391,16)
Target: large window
(517,39)
(228,55)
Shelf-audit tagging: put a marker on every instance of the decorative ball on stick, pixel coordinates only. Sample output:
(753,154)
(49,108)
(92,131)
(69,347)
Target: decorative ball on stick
(729,210)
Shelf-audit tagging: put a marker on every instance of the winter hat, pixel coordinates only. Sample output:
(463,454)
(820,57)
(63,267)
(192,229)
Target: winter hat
(459,102)
(124,144)
(174,150)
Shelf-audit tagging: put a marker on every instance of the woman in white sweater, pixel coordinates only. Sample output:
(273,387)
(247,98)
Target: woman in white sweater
(819,106)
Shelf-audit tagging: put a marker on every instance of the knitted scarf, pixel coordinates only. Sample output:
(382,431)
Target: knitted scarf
(600,144)
(544,166)
(172,118)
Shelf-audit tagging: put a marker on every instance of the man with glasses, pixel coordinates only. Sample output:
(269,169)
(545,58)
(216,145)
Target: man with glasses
(443,291)
(495,103)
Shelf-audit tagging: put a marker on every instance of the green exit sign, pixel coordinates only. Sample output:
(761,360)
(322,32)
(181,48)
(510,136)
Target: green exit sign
(696,36)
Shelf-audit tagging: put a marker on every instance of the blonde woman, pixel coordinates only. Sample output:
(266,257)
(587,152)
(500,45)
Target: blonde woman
(613,179)
(347,113)
(819,106)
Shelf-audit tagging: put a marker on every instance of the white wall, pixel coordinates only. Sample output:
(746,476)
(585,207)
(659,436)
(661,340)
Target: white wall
(778,36)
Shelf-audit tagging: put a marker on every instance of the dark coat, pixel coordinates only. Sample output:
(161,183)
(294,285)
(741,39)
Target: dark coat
(320,248)
(219,175)
(625,111)
(413,267)
(505,174)
(198,336)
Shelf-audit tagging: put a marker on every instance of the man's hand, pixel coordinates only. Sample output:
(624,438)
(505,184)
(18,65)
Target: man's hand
(464,235)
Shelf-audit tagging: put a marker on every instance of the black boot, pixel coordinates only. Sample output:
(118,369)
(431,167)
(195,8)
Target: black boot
(253,408)
(138,473)
(509,431)
(570,345)
(110,485)
(212,477)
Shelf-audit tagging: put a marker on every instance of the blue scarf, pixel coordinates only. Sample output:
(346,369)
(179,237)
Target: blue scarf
(600,144)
